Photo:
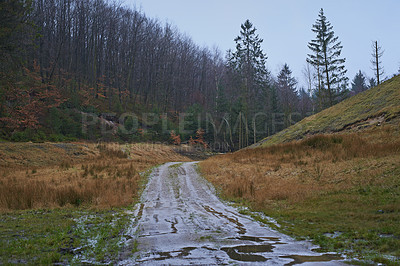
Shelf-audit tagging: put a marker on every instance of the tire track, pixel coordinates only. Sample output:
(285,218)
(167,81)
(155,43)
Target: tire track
(181,221)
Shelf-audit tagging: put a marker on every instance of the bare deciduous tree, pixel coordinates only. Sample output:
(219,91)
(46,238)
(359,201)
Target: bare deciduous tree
(376,61)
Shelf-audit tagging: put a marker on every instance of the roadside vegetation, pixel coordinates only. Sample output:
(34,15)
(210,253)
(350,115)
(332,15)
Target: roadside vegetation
(94,175)
(340,190)
(71,202)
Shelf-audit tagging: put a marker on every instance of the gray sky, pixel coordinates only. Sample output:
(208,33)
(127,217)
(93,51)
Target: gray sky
(285,26)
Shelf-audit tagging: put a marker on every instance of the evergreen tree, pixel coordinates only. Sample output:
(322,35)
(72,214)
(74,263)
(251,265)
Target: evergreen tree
(249,59)
(358,84)
(248,62)
(325,57)
(287,93)
(372,83)
(305,103)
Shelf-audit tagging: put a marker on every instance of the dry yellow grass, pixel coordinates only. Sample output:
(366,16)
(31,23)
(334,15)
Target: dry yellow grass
(344,183)
(56,175)
(296,171)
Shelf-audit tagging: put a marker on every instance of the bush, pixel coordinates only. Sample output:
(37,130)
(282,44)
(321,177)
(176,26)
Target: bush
(65,122)
(19,136)
(28,135)
(56,137)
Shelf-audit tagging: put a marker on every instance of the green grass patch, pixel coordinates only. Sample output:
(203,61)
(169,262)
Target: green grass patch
(361,222)
(67,235)
(62,236)
(40,236)
(175,166)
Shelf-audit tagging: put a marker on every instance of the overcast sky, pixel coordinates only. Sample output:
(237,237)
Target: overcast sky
(285,26)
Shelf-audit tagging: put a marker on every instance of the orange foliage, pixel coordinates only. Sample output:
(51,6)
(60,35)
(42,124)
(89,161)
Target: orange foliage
(141,131)
(29,100)
(176,139)
(199,139)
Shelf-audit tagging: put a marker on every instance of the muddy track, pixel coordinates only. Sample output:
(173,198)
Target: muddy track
(180,220)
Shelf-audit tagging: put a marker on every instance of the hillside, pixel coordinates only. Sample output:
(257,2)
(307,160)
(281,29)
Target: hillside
(333,177)
(372,107)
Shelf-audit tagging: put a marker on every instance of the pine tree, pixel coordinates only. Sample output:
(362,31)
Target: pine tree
(372,83)
(305,103)
(248,61)
(287,93)
(358,84)
(325,57)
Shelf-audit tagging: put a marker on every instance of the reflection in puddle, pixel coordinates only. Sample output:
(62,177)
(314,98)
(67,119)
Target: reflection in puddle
(208,248)
(180,253)
(259,239)
(298,259)
(244,252)
(250,238)
(254,248)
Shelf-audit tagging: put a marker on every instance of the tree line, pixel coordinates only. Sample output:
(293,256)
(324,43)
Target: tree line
(64,59)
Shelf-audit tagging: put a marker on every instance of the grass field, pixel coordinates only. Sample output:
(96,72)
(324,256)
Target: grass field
(71,202)
(340,190)
(46,175)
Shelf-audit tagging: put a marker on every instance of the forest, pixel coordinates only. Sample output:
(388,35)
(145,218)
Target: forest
(99,71)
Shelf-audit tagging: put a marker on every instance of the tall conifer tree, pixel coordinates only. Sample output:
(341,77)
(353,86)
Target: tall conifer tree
(325,57)
(287,92)
(248,61)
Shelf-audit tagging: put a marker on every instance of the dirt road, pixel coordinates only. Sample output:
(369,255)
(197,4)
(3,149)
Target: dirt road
(182,221)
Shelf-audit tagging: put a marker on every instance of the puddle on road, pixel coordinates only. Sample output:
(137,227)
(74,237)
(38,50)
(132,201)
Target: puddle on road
(208,248)
(299,259)
(254,248)
(248,238)
(245,252)
(239,225)
(259,239)
(169,255)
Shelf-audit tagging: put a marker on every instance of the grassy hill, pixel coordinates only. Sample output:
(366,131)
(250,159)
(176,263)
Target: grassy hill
(332,178)
(374,106)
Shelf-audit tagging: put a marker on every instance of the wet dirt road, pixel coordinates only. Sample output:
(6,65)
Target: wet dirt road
(182,221)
